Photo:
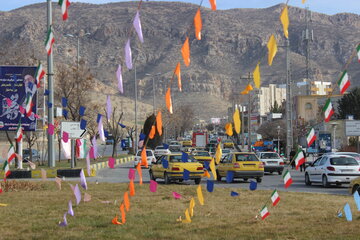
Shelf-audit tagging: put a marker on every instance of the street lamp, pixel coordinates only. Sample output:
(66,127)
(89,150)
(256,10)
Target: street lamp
(278,132)
(153,87)
(334,125)
(78,44)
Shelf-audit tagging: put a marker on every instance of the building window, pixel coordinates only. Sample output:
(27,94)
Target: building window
(308,106)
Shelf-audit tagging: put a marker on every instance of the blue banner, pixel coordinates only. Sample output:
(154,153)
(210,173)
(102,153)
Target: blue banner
(15,84)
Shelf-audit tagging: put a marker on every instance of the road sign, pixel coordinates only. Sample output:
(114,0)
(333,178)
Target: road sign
(352,128)
(73,129)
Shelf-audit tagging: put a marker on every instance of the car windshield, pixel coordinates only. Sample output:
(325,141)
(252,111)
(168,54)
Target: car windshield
(343,161)
(160,148)
(246,157)
(226,151)
(148,153)
(270,155)
(355,155)
(178,158)
(203,154)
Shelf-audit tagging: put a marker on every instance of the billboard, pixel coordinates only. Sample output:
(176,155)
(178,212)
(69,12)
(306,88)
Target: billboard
(15,84)
(352,128)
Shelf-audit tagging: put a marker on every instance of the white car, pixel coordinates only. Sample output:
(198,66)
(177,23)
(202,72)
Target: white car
(150,157)
(352,154)
(161,150)
(272,162)
(332,168)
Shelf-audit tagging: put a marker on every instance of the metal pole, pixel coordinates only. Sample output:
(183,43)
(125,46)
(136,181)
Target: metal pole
(334,143)
(20,152)
(78,51)
(278,139)
(289,130)
(242,126)
(136,135)
(249,121)
(51,154)
(153,83)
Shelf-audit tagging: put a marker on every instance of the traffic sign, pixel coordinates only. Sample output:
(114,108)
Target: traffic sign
(73,129)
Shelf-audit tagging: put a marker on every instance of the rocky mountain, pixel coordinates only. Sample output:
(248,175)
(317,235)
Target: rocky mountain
(233,41)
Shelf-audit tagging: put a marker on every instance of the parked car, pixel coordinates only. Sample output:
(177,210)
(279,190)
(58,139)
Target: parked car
(175,169)
(161,150)
(228,144)
(35,155)
(332,168)
(272,162)
(244,165)
(201,156)
(150,157)
(352,154)
(225,152)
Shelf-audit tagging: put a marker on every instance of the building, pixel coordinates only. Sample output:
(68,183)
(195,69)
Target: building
(267,97)
(321,88)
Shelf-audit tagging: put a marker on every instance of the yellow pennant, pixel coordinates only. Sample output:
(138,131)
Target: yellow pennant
(237,121)
(191,207)
(212,168)
(303,1)
(284,18)
(229,129)
(187,217)
(272,47)
(3,205)
(257,77)
(218,153)
(200,195)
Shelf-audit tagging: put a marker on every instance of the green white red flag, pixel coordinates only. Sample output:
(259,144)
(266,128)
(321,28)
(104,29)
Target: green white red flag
(328,110)
(64,4)
(299,158)
(287,179)
(358,52)
(264,213)
(19,133)
(310,137)
(6,170)
(40,73)
(49,41)
(28,106)
(275,198)
(11,154)
(344,82)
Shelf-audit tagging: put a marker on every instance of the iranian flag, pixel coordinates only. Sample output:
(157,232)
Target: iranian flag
(11,154)
(299,159)
(344,82)
(28,105)
(358,52)
(275,198)
(40,73)
(6,170)
(19,133)
(49,41)
(310,137)
(264,213)
(328,110)
(287,179)
(64,8)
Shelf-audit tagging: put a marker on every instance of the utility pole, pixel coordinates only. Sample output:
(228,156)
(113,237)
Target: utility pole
(308,37)
(289,116)
(136,134)
(51,153)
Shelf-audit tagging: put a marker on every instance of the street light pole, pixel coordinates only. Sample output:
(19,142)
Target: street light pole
(153,88)
(136,138)
(278,132)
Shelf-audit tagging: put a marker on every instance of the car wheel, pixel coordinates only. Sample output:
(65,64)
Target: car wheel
(258,180)
(197,181)
(218,177)
(166,178)
(307,179)
(152,175)
(325,182)
(355,188)
(245,179)
(279,172)
(271,172)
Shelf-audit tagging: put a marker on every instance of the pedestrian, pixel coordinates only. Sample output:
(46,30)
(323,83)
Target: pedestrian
(292,155)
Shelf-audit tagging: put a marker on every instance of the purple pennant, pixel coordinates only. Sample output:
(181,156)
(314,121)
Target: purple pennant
(137,26)
(101,129)
(128,57)
(131,174)
(88,163)
(120,80)
(95,149)
(108,107)
(64,222)
(77,194)
(83,180)
(70,209)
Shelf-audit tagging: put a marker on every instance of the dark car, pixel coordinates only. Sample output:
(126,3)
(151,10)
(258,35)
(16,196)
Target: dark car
(35,155)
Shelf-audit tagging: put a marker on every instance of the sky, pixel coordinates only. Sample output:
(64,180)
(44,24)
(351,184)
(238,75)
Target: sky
(324,6)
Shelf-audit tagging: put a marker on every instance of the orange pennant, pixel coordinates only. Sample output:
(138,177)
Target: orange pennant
(213,4)
(132,188)
(177,73)
(115,221)
(206,174)
(198,24)
(152,132)
(138,168)
(126,201)
(185,51)
(144,158)
(168,100)
(123,214)
(159,123)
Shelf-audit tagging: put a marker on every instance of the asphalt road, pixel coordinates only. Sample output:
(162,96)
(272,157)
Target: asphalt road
(270,181)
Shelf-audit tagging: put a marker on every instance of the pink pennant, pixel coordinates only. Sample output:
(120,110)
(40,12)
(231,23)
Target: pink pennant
(111,162)
(131,174)
(87,197)
(65,137)
(128,56)
(58,182)
(19,157)
(108,108)
(92,154)
(21,109)
(36,116)
(51,129)
(153,186)
(120,80)
(176,195)
(43,174)
(32,165)
(72,187)
(9,102)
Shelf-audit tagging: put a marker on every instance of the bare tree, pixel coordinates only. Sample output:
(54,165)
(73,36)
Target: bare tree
(180,121)
(31,138)
(114,128)
(130,133)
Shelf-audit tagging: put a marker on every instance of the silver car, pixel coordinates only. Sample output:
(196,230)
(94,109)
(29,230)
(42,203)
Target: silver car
(161,150)
(332,169)
(272,162)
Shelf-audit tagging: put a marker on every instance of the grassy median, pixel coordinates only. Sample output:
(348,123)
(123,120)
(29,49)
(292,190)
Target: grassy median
(35,209)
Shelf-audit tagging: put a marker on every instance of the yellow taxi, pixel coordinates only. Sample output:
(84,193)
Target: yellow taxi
(171,167)
(187,143)
(244,165)
(201,156)
(228,144)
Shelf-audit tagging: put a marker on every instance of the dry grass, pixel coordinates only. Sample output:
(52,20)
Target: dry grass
(35,215)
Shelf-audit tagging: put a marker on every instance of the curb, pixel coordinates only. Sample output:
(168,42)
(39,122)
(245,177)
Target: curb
(52,173)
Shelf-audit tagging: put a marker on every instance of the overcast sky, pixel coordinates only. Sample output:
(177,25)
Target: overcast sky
(323,6)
